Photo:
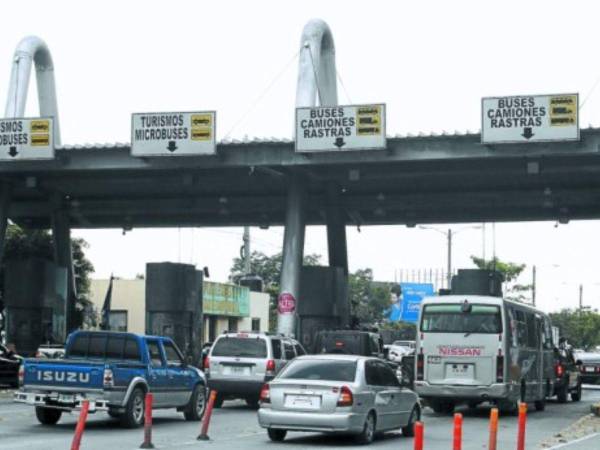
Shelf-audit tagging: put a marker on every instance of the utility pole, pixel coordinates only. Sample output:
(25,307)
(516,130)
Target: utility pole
(533,288)
(449,259)
(580,298)
(246,251)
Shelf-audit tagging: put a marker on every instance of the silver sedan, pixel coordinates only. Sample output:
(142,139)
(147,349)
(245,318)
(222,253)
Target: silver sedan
(337,394)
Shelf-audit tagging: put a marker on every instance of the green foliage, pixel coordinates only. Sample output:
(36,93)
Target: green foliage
(21,244)
(581,328)
(368,300)
(405,330)
(269,269)
(510,272)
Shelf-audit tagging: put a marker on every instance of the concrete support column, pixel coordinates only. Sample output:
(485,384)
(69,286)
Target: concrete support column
(63,256)
(293,254)
(4,205)
(336,229)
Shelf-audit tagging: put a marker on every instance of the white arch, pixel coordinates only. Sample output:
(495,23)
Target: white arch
(33,50)
(316,67)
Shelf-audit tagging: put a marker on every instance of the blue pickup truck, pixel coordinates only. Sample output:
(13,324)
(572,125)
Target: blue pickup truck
(114,371)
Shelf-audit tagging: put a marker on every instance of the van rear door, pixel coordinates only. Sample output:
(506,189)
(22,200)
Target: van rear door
(460,343)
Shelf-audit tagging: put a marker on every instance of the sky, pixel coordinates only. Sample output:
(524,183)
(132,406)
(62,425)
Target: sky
(430,62)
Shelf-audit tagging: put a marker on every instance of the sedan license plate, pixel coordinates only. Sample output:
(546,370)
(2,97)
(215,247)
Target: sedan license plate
(590,369)
(303,401)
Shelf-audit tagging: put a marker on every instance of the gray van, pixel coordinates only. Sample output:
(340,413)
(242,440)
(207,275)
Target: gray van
(239,363)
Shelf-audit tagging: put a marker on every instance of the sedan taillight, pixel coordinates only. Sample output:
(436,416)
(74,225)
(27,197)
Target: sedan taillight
(265,394)
(346,398)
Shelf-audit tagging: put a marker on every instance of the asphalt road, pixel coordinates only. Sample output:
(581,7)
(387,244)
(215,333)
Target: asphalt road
(235,426)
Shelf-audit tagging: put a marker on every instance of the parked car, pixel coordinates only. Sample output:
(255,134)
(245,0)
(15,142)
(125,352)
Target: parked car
(52,351)
(113,371)
(349,342)
(398,349)
(568,377)
(589,367)
(337,394)
(9,366)
(239,363)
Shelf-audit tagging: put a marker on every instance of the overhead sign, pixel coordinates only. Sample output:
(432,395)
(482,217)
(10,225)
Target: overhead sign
(530,118)
(340,128)
(24,139)
(221,299)
(406,307)
(173,134)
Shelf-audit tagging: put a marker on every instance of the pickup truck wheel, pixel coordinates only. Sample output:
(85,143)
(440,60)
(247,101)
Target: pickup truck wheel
(133,416)
(561,394)
(47,416)
(195,410)
(114,413)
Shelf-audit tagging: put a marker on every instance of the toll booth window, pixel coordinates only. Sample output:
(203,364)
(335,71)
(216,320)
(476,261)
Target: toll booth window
(132,350)
(79,346)
(276,344)
(154,354)
(174,357)
(97,347)
(114,347)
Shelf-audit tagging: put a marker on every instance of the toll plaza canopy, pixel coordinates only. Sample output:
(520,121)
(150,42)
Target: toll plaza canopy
(447,178)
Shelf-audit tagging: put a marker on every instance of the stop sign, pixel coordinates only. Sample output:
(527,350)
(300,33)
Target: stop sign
(286,303)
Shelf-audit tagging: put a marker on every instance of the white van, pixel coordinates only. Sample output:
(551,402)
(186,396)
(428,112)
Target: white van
(472,349)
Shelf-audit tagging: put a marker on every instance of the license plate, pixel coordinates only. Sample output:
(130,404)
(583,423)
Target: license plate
(590,369)
(303,401)
(236,370)
(66,398)
(460,370)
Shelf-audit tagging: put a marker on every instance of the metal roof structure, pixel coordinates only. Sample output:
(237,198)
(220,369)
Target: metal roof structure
(418,179)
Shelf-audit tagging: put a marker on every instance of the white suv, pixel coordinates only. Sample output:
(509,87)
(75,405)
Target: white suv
(239,363)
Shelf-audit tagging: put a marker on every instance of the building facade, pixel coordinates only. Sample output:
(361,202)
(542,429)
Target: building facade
(226,306)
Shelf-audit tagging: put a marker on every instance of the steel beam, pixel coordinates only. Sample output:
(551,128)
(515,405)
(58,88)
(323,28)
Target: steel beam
(293,253)
(4,206)
(63,257)
(336,229)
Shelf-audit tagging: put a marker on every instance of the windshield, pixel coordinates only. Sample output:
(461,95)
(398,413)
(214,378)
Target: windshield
(327,370)
(450,318)
(241,347)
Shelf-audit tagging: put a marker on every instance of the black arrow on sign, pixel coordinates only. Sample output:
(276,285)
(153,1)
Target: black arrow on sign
(339,142)
(172,146)
(13,151)
(527,133)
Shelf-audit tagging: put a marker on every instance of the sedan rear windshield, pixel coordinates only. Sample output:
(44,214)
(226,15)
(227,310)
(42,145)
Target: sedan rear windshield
(240,347)
(454,318)
(327,370)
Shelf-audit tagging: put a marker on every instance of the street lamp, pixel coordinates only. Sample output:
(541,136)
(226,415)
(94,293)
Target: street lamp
(449,233)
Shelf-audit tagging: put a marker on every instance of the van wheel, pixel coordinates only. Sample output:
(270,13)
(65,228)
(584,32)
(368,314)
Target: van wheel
(540,405)
(508,407)
(561,394)
(47,416)
(576,394)
(133,416)
(276,435)
(195,410)
(367,435)
(415,416)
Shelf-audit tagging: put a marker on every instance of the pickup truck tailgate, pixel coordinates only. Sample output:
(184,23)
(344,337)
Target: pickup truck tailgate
(58,373)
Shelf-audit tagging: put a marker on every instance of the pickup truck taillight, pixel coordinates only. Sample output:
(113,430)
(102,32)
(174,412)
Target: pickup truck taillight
(206,365)
(270,368)
(107,379)
(21,375)
(559,370)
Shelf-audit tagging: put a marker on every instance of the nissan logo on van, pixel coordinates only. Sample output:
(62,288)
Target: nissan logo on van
(69,377)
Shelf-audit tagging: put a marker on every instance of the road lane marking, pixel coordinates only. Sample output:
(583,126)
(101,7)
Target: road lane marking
(576,441)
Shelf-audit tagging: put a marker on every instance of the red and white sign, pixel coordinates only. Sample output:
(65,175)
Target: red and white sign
(286,303)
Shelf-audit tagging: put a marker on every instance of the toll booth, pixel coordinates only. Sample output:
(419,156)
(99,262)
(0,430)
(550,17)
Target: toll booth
(174,305)
(35,292)
(323,302)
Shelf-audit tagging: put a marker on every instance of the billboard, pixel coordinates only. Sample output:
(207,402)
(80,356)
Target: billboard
(406,306)
(221,299)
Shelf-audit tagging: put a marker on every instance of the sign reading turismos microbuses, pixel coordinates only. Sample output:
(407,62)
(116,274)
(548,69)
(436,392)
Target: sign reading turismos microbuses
(340,128)
(23,139)
(173,133)
(530,118)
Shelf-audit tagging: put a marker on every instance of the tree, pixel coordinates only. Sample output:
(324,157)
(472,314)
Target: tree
(510,272)
(21,244)
(368,300)
(269,269)
(581,328)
